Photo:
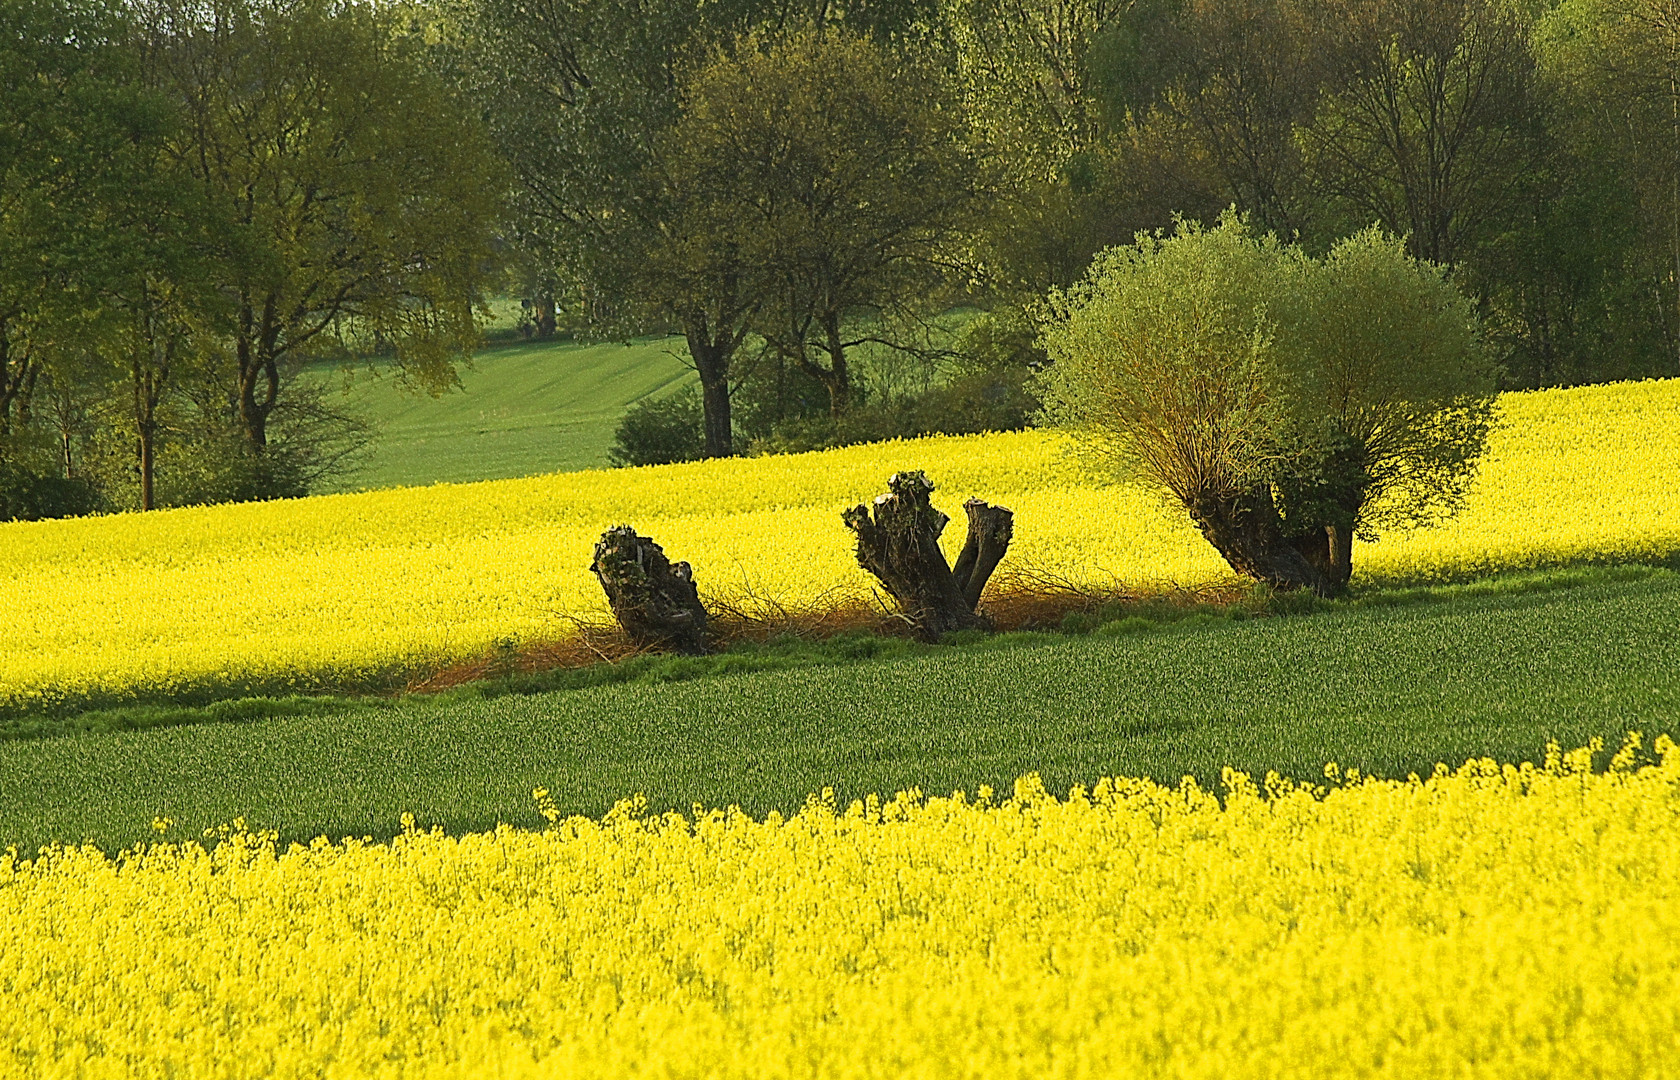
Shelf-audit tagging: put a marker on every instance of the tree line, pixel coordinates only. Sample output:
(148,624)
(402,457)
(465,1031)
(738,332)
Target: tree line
(199,198)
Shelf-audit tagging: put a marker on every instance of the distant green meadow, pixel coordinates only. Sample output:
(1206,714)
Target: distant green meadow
(524,408)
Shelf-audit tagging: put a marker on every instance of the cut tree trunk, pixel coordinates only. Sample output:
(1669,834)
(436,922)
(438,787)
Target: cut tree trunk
(653,599)
(898,542)
(990,528)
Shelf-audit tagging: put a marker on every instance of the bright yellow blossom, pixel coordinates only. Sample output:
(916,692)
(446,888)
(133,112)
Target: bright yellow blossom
(1495,921)
(344,587)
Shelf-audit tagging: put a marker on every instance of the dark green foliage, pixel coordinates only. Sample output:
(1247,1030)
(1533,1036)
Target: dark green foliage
(27,495)
(834,180)
(661,430)
(1390,683)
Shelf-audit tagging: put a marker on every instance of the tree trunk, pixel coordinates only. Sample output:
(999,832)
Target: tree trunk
(17,380)
(151,375)
(1245,529)
(1329,551)
(990,528)
(1341,557)
(654,599)
(543,318)
(257,349)
(899,544)
(147,441)
(839,380)
(712,355)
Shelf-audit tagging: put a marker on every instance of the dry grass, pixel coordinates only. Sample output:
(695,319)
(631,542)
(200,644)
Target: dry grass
(1016,600)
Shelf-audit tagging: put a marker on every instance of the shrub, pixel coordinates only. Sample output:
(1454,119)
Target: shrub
(659,431)
(27,495)
(1285,402)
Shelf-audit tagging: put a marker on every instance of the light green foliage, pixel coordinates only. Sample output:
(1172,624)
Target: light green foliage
(1025,69)
(1383,353)
(1165,358)
(1275,396)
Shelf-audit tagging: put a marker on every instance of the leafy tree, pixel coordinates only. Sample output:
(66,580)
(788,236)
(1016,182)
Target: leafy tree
(1028,75)
(79,142)
(360,200)
(1244,76)
(69,126)
(1391,394)
(1050,89)
(836,180)
(1615,67)
(580,97)
(1286,403)
(1427,121)
(1572,293)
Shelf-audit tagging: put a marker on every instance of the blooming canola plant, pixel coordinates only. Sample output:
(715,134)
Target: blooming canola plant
(343,589)
(1486,922)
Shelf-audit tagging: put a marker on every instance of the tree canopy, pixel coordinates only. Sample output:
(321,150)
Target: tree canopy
(851,210)
(836,178)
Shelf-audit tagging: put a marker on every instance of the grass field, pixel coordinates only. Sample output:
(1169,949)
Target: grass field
(523,409)
(1389,688)
(227,918)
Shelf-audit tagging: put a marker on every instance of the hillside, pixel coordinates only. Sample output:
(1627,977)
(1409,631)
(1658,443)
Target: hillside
(523,409)
(367,589)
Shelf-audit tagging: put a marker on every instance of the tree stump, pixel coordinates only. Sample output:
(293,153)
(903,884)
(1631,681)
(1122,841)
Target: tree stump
(653,599)
(899,543)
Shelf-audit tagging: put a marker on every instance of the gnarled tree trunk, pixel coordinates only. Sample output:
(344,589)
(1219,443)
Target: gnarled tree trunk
(1245,528)
(898,542)
(654,599)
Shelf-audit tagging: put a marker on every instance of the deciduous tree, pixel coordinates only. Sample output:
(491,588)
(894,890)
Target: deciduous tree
(836,178)
(1285,403)
(1427,121)
(359,198)
(1615,65)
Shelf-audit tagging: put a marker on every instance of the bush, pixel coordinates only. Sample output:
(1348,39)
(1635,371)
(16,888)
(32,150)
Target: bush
(1285,402)
(660,431)
(26,495)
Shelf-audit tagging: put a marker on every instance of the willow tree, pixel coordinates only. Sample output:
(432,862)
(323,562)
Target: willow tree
(1286,403)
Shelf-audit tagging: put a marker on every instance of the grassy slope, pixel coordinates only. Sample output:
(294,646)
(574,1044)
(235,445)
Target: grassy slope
(1388,689)
(523,409)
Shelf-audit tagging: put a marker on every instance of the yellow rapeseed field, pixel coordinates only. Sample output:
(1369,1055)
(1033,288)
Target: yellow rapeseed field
(1489,922)
(341,587)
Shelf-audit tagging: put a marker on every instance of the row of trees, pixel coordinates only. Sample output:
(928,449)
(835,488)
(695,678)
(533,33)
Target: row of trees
(816,176)
(196,200)
(200,197)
